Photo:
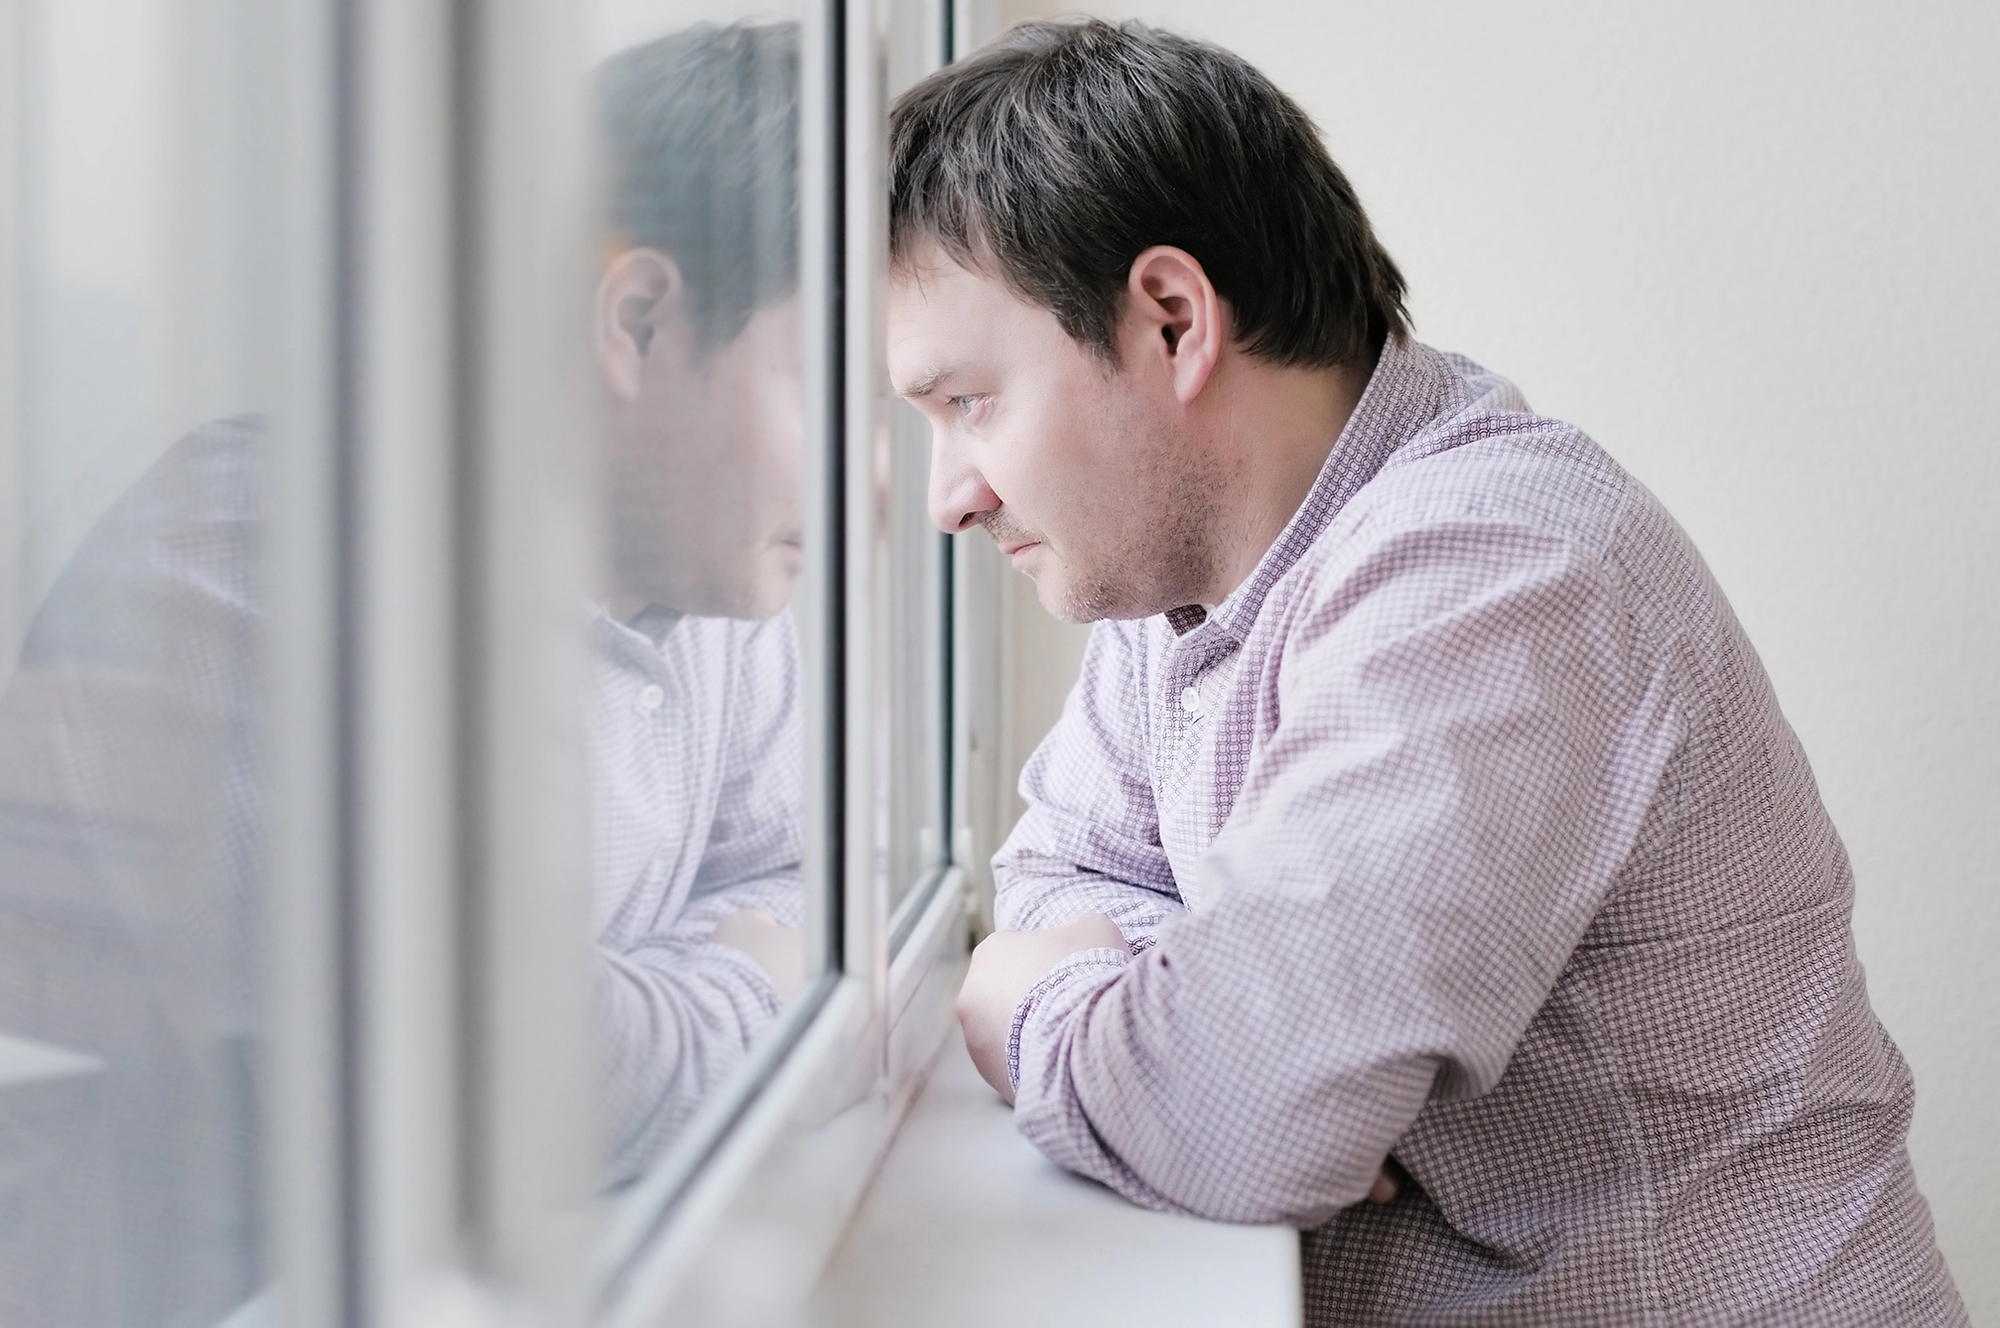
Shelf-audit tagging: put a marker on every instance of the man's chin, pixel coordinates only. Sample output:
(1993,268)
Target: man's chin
(1070,601)
(1058,605)
(1060,600)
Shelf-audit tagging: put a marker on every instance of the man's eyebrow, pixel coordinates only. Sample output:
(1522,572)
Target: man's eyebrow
(930,382)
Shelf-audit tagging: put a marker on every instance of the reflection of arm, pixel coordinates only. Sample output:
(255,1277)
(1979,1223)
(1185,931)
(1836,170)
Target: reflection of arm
(1465,750)
(132,880)
(681,1019)
(137,696)
(1090,841)
(683,1011)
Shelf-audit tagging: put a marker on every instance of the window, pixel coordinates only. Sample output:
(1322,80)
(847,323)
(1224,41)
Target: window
(489,739)
(150,370)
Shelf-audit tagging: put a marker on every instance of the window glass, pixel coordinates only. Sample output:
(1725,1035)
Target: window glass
(141,288)
(704,924)
(920,660)
(919,579)
(195,272)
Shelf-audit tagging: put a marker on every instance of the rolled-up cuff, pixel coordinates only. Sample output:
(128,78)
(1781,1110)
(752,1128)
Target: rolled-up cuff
(1073,976)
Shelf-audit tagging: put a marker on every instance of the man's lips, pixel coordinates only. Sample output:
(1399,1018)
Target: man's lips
(1011,549)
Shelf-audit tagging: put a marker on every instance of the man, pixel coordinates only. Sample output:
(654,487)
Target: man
(1420,799)
(133,862)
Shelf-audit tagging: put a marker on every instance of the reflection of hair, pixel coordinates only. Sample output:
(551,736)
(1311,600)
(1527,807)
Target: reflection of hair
(701,130)
(1058,154)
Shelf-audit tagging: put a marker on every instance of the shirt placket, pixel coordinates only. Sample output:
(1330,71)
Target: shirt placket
(657,771)
(1192,690)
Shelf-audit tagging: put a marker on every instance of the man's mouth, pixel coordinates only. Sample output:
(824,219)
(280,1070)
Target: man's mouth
(1011,539)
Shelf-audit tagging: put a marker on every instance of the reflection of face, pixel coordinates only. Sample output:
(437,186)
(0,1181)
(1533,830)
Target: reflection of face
(1081,472)
(706,445)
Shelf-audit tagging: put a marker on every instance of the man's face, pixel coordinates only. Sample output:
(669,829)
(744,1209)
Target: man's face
(706,446)
(1085,474)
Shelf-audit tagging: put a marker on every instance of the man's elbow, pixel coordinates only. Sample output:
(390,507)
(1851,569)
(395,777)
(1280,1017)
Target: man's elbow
(1294,1198)
(1245,1180)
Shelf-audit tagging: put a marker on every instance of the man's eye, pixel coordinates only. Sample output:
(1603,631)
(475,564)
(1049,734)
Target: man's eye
(965,405)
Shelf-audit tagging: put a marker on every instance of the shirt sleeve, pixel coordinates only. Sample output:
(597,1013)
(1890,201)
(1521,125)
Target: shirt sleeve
(683,1012)
(1089,841)
(1467,740)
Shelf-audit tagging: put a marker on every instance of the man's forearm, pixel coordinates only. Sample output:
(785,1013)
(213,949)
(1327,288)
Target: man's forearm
(1005,968)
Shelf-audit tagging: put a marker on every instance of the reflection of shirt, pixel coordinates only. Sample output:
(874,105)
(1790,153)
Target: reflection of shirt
(1469,829)
(132,866)
(696,760)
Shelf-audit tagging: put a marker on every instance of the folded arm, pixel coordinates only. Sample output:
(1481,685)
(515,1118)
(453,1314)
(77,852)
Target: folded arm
(1466,745)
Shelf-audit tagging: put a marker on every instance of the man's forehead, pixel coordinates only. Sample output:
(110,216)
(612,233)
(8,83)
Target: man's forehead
(944,317)
(930,303)
(929,275)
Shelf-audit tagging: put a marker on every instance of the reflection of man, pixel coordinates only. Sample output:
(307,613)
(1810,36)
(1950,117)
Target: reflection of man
(132,868)
(696,734)
(1420,798)
(132,857)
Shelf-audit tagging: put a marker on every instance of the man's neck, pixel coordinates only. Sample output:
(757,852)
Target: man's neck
(1277,425)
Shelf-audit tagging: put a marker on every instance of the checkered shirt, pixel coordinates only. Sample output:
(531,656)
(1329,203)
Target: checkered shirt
(695,758)
(1468,832)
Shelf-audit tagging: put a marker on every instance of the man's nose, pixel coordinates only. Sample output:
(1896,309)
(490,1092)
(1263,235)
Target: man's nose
(959,495)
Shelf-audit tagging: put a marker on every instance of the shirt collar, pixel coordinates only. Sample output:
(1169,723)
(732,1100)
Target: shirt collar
(1403,394)
(638,642)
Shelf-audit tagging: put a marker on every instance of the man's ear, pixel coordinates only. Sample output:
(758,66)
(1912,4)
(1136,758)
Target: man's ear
(1179,316)
(641,296)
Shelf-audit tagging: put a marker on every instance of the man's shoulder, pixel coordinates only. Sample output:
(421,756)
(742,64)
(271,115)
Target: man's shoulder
(1487,455)
(173,559)
(1472,477)
(1483,481)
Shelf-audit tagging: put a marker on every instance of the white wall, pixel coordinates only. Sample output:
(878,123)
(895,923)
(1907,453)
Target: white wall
(1751,249)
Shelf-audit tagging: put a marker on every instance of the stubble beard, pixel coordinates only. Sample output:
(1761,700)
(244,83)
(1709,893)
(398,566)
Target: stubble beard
(1162,556)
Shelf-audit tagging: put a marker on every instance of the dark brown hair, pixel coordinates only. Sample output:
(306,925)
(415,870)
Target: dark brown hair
(701,134)
(1054,157)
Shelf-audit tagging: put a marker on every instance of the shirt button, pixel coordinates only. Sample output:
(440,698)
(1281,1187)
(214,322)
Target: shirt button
(651,697)
(1191,700)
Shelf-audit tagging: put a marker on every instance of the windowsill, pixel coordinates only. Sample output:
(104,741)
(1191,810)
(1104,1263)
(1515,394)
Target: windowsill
(967,1225)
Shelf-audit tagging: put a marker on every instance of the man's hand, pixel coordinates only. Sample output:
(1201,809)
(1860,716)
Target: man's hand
(769,944)
(1005,967)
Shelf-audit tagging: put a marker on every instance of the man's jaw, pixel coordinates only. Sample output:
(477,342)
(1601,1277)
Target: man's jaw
(1035,558)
